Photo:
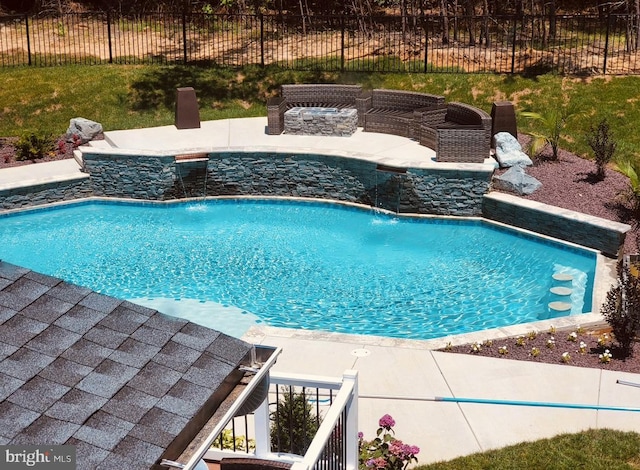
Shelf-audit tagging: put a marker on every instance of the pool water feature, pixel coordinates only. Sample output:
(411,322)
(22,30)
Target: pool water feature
(303,265)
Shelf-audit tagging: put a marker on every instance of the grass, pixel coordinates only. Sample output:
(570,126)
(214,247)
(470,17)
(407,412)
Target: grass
(601,449)
(43,100)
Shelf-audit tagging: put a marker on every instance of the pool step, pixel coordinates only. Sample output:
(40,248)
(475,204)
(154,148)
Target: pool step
(559,307)
(561,291)
(562,277)
(560,294)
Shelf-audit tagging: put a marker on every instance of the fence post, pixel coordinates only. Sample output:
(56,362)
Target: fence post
(513,44)
(342,43)
(426,45)
(606,44)
(261,39)
(26,22)
(109,37)
(184,36)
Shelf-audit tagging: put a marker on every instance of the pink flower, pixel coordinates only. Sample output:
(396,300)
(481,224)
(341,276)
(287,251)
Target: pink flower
(386,422)
(403,451)
(360,435)
(379,462)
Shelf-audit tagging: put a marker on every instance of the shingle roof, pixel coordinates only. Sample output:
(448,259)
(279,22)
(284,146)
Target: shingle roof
(121,382)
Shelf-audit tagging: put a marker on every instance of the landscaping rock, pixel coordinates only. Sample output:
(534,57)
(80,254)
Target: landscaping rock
(85,129)
(517,181)
(509,151)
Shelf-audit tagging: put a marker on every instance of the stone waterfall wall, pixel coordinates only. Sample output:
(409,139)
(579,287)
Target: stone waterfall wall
(45,193)
(426,191)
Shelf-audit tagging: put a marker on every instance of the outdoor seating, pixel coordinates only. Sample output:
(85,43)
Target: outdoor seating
(395,111)
(457,132)
(309,96)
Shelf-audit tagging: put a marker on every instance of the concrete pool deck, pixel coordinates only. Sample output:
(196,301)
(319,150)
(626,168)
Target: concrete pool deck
(396,376)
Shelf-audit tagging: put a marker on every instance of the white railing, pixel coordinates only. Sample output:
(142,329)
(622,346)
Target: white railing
(335,444)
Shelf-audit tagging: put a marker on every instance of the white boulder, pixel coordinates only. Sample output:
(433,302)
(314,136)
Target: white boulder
(509,151)
(85,129)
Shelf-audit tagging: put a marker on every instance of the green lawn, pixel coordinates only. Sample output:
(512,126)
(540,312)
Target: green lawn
(44,99)
(589,450)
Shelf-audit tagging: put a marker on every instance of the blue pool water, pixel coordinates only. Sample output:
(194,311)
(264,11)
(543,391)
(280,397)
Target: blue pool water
(301,265)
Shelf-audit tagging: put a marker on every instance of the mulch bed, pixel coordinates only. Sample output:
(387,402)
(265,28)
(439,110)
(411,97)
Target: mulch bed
(551,345)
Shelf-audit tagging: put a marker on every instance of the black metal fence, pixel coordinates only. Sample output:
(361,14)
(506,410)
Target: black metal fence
(507,44)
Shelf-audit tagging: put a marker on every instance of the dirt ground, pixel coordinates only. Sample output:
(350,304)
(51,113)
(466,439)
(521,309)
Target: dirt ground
(234,43)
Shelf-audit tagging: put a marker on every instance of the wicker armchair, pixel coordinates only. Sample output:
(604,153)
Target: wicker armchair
(395,111)
(457,132)
(320,95)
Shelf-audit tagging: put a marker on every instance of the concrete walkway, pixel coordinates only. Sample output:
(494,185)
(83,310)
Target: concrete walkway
(401,377)
(403,380)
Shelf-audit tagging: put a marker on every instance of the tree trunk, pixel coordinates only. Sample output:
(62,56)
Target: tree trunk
(485,24)
(445,21)
(470,14)
(552,20)
(304,20)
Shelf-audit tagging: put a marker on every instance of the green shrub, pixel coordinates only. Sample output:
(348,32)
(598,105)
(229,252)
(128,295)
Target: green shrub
(603,145)
(622,310)
(227,441)
(294,423)
(631,195)
(552,123)
(34,147)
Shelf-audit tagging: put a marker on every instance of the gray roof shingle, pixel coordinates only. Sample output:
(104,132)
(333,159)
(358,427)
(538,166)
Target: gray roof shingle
(119,381)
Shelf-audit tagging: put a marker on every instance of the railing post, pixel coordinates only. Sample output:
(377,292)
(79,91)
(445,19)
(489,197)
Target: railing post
(351,377)
(606,44)
(26,22)
(109,40)
(262,430)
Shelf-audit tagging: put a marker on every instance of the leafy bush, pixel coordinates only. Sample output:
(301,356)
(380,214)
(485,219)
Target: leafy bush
(631,169)
(34,147)
(228,441)
(622,310)
(552,123)
(293,424)
(385,452)
(603,145)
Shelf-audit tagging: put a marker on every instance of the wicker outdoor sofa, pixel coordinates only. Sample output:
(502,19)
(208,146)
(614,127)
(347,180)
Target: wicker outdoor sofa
(395,112)
(457,132)
(320,95)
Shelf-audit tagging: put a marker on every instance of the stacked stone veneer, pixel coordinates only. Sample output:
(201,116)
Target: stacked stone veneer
(45,193)
(321,121)
(601,234)
(427,191)
(438,191)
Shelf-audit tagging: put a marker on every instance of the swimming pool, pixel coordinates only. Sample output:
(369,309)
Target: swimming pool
(303,265)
